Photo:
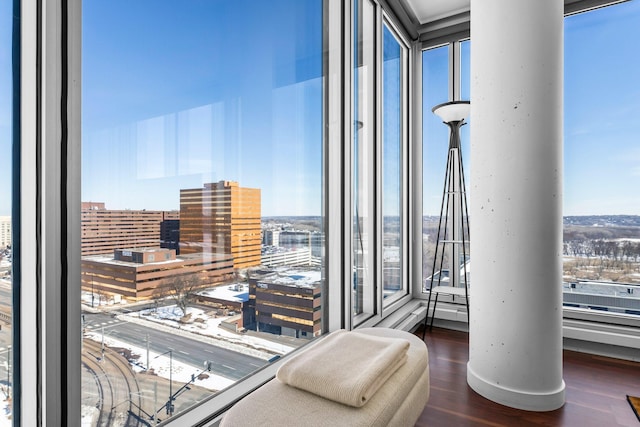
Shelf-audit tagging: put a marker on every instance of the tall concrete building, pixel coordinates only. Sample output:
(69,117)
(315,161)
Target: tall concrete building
(104,230)
(5,231)
(222,218)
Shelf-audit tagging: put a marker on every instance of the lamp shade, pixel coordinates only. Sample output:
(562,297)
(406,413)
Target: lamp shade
(453,111)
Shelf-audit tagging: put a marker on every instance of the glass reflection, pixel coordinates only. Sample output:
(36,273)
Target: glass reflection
(202,228)
(392,116)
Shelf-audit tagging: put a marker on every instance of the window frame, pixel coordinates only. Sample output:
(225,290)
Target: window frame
(50,334)
(450,309)
(49,320)
(405,78)
(386,308)
(370,301)
(49,339)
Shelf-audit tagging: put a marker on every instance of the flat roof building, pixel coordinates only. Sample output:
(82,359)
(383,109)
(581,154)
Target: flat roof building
(138,274)
(274,256)
(287,301)
(104,230)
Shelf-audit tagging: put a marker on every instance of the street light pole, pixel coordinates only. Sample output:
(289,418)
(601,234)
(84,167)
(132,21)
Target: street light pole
(8,369)
(147,352)
(170,408)
(169,404)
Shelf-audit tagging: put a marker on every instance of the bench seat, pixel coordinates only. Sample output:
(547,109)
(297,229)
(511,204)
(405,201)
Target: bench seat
(399,402)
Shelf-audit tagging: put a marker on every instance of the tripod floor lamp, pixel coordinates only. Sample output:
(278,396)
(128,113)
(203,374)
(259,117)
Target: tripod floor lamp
(450,274)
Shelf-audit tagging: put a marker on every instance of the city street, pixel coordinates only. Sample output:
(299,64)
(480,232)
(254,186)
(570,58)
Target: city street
(226,363)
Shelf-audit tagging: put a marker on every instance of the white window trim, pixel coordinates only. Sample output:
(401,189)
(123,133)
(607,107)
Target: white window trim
(49,321)
(403,294)
(371,301)
(382,307)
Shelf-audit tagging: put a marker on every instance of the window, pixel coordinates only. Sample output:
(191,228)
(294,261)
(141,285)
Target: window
(186,108)
(602,151)
(435,83)
(445,75)
(601,225)
(394,114)
(7,231)
(465,70)
(379,163)
(364,142)
(202,185)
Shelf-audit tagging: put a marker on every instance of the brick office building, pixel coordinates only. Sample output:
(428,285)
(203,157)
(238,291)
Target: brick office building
(286,302)
(137,274)
(104,230)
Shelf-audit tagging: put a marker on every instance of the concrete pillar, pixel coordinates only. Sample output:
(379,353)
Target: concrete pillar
(515,335)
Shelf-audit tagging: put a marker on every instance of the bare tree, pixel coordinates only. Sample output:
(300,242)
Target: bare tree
(158,295)
(182,289)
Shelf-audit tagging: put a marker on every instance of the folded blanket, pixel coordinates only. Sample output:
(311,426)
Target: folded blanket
(345,367)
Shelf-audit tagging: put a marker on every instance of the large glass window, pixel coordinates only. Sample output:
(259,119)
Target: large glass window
(202,228)
(6,229)
(602,157)
(435,81)
(439,74)
(393,169)
(379,173)
(364,142)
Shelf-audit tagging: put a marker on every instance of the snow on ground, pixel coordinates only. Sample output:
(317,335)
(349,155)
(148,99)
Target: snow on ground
(208,330)
(209,327)
(88,415)
(181,372)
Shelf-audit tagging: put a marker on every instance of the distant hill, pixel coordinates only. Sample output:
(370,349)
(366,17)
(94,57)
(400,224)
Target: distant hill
(579,220)
(603,220)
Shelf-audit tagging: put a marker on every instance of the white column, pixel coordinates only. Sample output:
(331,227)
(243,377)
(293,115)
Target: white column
(515,335)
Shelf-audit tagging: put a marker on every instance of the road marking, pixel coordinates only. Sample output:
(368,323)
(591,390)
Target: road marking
(229,367)
(253,364)
(183,352)
(209,351)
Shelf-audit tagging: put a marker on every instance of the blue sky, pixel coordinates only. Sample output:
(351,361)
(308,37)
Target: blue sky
(602,111)
(5,107)
(176,96)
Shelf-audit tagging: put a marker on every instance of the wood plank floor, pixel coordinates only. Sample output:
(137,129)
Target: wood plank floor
(595,394)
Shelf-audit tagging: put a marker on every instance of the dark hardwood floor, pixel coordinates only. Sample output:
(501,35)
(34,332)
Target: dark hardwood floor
(595,394)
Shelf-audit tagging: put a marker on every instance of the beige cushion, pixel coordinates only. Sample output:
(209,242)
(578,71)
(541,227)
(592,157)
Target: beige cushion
(348,368)
(399,402)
